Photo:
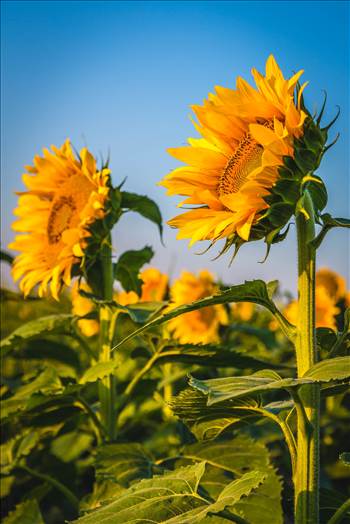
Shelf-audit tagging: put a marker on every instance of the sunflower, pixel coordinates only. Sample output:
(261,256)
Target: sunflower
(201,326)
(246,132)
(242,311)
(64,197)
(82,306)
(154,286)
(333,283)
(330,288)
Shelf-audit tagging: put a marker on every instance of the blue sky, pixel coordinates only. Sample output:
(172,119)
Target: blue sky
(121,76)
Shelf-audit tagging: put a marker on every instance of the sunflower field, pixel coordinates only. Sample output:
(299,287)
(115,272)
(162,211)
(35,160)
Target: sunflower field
(129,396)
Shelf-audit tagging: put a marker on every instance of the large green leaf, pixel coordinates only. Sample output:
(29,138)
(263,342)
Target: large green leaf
(255,291)
(27,512)
(46,383)
(233,457)
(212,355)
(144,206)
(172,499)
(208,422)
(50,325)
(219,389)
(56,353)
(98,371)
(17,447)
(70,446)
(123,463)
(331,369)
(127,268)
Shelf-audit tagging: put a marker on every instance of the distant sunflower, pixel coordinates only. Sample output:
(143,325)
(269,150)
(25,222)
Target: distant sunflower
(242,311)
(202,325)
(82,306)
(230,171)
(330,288)
(154,285)
(153,288)
(65,196)
(333,283)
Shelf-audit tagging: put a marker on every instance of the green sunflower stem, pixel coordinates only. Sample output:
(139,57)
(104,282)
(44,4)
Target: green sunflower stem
(107,384)
(306,478)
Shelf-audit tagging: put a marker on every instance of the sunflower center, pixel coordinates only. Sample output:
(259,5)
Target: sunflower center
(244,160)
(60,218)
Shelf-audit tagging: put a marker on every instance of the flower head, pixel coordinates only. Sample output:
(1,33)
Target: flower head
(334,284)
(202,325)
(64,197)
(230,172)
(154,285)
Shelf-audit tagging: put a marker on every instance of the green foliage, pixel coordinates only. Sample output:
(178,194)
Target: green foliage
(123,463)
(173,498)
(27,512)
(144,206)
(255,291)
(128,266)
(331,369)
(221,389)
(53,324)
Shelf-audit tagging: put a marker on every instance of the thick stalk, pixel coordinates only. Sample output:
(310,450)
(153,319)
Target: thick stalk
(107,384)
(306,479)
(167,391)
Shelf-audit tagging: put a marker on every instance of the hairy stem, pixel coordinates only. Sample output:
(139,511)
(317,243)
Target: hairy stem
(306,478)
(107,384)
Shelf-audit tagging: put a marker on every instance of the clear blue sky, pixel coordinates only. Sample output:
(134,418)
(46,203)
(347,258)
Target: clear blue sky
(122,75)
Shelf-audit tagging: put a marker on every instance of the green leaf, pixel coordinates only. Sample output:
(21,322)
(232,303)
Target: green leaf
(17,447)
(6,257)
(318,192)
(255,291)
(98,371)
(6,483)
(331,369)
(159,499)
(102,493)
(220,389)
(70,446)
(50,325)
(345,458)
(123,463)
(27,512)
(128,266)
(233,457)
(329,223)
(172,498)
(46,383)
(212,355)
(144,206)
(208,422)
(234,491)
(256,507)
(56,354)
